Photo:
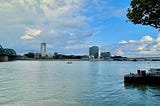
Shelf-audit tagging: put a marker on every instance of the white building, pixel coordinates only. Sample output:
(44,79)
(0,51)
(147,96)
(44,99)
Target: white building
(43,49)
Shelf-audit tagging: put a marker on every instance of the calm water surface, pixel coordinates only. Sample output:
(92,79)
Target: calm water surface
(83,83)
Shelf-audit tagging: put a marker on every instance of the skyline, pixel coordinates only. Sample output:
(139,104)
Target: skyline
(72,26)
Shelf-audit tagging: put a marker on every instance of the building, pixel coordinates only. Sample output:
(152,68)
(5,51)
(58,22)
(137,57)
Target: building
(94,52)
(37,55)
(106,55)
(49,55)
(43,49)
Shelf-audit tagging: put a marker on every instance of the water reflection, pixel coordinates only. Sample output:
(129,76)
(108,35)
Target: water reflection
(135,86)
(153,90)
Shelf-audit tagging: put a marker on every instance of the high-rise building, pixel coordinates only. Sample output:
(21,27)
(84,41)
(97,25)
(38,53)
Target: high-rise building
(94,52)
(43,49)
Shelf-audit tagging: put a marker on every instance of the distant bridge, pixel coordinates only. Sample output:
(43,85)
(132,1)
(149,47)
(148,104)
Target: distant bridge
(7,54)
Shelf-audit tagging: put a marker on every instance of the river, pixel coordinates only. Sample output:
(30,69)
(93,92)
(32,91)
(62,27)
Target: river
(82,83)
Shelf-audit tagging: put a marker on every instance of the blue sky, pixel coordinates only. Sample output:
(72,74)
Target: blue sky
(72,26)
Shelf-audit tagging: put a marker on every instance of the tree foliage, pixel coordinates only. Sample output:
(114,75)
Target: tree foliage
(145,12)
(30,55)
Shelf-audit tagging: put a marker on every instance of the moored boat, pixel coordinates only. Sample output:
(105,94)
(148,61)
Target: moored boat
(69,62)
(144,77)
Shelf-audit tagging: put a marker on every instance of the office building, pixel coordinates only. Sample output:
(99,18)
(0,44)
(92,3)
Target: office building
(43,49)
(94,52)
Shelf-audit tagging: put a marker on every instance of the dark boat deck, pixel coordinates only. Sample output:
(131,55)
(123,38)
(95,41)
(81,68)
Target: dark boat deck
(142,79)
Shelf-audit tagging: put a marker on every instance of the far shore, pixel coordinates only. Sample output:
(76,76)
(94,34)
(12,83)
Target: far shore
(33,59)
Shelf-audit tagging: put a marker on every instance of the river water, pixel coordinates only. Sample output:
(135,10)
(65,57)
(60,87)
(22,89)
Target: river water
(83,83)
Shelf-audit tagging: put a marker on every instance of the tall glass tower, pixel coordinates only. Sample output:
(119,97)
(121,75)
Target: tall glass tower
(94,52)
(43,48)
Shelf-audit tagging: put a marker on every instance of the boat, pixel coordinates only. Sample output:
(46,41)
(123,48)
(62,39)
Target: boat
(69,62)
(152,76)
(154,71)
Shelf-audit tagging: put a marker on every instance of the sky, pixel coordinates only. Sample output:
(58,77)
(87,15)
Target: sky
(72,26)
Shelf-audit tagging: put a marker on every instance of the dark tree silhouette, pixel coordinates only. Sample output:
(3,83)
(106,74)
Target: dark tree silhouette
(145,12)
(30,55)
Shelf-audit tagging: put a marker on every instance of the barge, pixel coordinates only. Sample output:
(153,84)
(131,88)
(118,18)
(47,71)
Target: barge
(143,77)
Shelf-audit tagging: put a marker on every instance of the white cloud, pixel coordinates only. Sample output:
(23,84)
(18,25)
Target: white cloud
(147,39)
(158,39)
(32,32)
(119,52)
(123,42)
(27,37)
(156,46)
(146,46)
(132,41)
(141,47)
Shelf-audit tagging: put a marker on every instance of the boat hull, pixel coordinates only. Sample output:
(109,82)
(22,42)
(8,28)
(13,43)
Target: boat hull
(138,79)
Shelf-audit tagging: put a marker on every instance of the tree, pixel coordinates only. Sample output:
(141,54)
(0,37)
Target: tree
(30,55)
(145,12)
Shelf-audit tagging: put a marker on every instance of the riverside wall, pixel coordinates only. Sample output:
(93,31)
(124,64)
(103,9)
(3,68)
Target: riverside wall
(3,58)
